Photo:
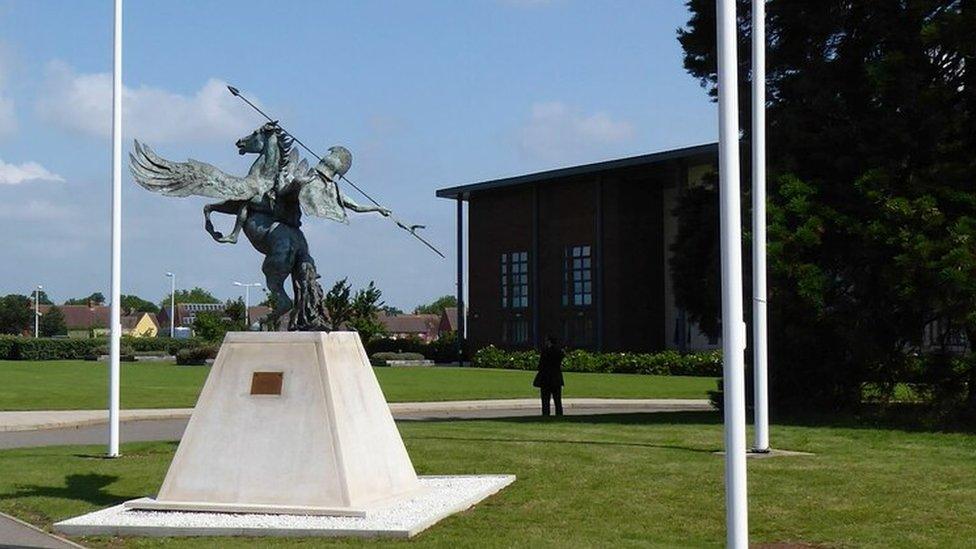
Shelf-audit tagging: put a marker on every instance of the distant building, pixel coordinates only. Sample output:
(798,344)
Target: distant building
(423,327)
(581,253)
(448,322)
(84,321)
(186,314)
(140,324)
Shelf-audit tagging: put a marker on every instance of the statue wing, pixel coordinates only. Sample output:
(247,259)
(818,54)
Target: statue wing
(159,175)
(319,197)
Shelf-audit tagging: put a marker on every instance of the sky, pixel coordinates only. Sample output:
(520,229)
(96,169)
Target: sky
(426,95)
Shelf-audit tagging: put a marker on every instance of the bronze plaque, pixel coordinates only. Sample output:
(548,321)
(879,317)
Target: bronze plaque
(266,383)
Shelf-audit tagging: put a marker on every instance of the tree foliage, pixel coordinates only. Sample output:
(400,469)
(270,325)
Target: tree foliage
(135,304)
(95,298)
(16,314)
(52,323)
(193,295)
(437,306)
(872,210)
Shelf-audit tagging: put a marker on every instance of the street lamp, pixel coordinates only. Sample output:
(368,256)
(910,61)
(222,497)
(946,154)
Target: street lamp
(247,299)
(37,312)
(172,303)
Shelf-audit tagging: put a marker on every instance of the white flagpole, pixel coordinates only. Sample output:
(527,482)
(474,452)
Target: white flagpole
(115,322)
(733,326)
(760,387)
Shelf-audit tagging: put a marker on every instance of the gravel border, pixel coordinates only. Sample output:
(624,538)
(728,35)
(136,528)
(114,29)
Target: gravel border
(444,496)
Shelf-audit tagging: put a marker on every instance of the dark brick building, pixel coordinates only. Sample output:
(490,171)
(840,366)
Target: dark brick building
(580,253)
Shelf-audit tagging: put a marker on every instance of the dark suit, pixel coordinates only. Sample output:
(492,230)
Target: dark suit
(549,379)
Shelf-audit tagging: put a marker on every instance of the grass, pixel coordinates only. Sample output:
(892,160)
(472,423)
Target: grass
(80,385)
(603,481)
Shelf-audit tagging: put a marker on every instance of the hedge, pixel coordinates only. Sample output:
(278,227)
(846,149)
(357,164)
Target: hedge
(673,363)
(60,348)
(442,350)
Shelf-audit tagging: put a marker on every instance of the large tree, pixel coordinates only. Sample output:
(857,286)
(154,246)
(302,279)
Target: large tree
(135,304)
(52,323)
(872,213)
(95,298)
(16,314)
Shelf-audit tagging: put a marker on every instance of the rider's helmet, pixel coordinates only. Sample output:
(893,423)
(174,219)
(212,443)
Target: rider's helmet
(339,160)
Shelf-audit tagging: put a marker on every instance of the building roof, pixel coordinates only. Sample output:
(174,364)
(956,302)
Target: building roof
(129,322)
(450,315)
(81,317)
(464,191)
(409,324)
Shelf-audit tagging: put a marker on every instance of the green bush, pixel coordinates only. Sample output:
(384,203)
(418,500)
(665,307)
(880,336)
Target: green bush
(442,350)
(29,348)
(126,353)
(383,358)
(663,363)
(168,345)
(196,355)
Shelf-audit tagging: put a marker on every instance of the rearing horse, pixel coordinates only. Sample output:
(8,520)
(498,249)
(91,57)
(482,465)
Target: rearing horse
(268,204)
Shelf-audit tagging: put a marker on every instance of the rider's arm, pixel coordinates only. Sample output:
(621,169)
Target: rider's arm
(349,203)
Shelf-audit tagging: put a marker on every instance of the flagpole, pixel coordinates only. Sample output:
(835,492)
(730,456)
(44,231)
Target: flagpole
(115,322)
(760,376)
(733,326)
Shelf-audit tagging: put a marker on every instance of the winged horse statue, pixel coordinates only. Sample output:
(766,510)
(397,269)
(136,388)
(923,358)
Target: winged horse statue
(268,204)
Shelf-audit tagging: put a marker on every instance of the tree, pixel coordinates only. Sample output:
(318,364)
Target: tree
(135,304)
(338,304)
(872,216)
(16,314)
(365,309)
(193,295)
(235,311)
(391,310)
(94,299)
(42,298)
(52,323)
(437,306)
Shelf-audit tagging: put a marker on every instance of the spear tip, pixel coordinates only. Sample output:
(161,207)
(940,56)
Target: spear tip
(234,90)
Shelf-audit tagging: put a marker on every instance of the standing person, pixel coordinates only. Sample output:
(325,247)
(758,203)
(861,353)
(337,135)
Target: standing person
(549,379)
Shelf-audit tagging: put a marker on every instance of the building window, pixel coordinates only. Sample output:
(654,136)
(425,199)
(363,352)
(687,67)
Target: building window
(515,280)
(515,331)
(578,331)
(577,276)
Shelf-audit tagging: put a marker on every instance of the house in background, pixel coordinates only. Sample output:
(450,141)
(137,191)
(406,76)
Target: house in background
(448,322)
(423,327)
(580,253)
(84,321)
(186,314)
(140,324)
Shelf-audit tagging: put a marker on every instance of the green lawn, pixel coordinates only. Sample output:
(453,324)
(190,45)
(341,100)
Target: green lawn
(68,385)
(602,481)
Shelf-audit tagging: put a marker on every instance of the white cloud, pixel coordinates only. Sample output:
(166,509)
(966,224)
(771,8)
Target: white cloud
(15,174)
(82,103)
(556,131)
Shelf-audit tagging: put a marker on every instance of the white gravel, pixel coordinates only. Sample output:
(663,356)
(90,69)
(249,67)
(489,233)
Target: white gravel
(442,496)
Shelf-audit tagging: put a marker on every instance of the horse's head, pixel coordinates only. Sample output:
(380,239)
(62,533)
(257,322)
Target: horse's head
(258,139)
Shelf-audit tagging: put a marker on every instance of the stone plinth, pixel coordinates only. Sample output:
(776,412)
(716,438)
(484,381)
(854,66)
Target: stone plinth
(288,423)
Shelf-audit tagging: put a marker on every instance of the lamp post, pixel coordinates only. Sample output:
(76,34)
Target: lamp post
(37,311)
(172,303)
(247,299)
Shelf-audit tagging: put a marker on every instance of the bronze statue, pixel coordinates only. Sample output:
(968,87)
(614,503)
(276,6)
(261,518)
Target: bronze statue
(268,204)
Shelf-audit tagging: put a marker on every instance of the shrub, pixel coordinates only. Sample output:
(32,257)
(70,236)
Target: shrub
(126,353)
(442,350)
(196,355)
(663,363)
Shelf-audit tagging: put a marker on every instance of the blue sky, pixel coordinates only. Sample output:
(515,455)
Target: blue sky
(425,94)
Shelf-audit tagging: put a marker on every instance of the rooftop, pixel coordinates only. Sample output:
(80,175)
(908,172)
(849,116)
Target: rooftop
(465,191)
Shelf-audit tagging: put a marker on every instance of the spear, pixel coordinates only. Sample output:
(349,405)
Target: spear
(412,229)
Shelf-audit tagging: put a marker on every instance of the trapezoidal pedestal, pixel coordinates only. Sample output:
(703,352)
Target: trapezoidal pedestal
(288,423)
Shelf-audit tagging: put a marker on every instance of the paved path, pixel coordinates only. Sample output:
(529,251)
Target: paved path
(30,429)
(16,533)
